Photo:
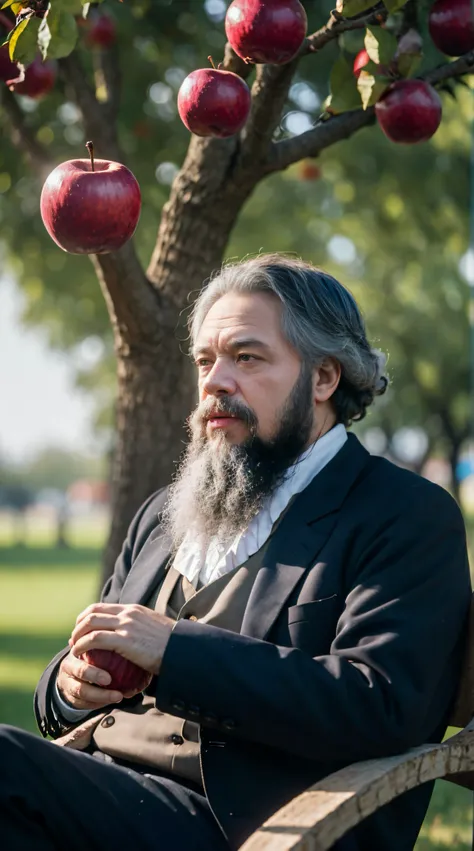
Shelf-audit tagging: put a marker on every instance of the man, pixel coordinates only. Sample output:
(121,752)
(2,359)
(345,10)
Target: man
(298,604)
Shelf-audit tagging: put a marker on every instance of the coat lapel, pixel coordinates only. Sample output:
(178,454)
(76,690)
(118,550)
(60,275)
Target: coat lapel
(300,537)
(147,570)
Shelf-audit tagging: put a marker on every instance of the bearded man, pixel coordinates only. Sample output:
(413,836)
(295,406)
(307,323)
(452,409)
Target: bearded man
(298,604)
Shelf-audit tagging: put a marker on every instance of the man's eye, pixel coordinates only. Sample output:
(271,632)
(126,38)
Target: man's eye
(201,362)
(246,358)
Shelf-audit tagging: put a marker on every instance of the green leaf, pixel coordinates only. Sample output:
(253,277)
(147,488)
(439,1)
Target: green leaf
(380,44)
(343,85)
(57,34)
(72,6)
(349,8)
(23,41)
(371,88)
(394,5)
(409,53)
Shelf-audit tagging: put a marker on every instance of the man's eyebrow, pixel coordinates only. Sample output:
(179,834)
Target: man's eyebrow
(244,343)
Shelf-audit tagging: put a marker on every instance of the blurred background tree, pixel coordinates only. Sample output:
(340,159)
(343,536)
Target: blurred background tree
(390,221)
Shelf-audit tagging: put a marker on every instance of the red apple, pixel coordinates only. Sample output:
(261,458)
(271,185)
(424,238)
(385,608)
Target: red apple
(90,211)
(266,32)
(451,24)
(360,62)
(39,79)
(102,31)
(409,111)
(214,103)
(126,676)
(309,171)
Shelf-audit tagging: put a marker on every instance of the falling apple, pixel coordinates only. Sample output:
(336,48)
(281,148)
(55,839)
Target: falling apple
(126,676)
(409,111)
(361,60)
(102,31)
(213,102)
(260,31)
(90,206)
(39,79)
(451,25)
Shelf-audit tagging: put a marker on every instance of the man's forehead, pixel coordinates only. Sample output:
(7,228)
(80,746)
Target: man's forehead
(239,313)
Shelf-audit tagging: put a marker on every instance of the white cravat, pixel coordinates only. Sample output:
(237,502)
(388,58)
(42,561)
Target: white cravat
(196,563)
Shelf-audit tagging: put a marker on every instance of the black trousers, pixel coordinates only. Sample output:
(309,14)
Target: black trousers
(56,798)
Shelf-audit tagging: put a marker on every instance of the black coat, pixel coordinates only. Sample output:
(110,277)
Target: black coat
(350,644)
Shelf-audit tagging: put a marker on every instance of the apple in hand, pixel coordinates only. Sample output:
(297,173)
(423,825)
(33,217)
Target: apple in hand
(90,207)
(213,102)
(262,31)
(409,111)
(39,79)
(126,676)
(451,25)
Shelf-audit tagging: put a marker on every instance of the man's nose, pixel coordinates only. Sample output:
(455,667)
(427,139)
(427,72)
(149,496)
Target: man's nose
(219,381)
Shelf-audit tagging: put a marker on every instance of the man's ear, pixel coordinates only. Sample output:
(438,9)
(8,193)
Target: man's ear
(326,379)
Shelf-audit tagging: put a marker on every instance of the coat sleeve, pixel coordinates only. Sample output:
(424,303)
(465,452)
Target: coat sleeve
(389,679)
(145,521)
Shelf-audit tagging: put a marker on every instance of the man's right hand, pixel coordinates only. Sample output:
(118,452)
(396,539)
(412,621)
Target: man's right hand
(80,685)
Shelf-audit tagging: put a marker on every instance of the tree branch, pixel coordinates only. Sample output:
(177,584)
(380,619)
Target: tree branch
(337,25)
(97,123)
(326,133)
(22,136)
(108,80)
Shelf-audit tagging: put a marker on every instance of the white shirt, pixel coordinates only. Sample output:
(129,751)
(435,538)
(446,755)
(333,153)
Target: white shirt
(207,565)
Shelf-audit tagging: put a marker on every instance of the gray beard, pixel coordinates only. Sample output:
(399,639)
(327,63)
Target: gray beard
(220,487)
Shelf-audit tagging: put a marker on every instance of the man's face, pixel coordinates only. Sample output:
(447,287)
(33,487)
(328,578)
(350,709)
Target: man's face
(245,362)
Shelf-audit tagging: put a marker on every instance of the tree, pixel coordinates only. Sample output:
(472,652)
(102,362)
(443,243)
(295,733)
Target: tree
(146,299)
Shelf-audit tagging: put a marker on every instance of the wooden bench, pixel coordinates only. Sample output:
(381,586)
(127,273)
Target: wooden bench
(318,817)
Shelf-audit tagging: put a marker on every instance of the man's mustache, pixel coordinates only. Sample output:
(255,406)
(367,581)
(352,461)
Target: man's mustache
(225,405)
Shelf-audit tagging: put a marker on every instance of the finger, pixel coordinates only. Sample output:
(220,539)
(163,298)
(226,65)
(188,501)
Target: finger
(81,670)
(99,640)
(85,696)
(94,620)
(105,608)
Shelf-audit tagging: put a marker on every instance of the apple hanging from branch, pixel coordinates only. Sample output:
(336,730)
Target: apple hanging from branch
(266,32)
(212,102)
(409,111)
(90,206)
(40,78)
(451,25)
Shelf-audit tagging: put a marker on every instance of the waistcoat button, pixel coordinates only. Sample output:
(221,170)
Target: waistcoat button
(176,739)
(191,617)
(107,722)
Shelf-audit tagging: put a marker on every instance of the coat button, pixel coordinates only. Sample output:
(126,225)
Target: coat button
(176,739)
(107,722)
(228,723)
(191,617)
(179,705)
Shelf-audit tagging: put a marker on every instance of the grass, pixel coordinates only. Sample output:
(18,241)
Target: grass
(42,589)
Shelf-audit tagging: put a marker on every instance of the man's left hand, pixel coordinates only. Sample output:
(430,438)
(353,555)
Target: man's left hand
(136,632)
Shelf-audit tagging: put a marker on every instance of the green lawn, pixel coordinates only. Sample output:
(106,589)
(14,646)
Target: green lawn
(42,589)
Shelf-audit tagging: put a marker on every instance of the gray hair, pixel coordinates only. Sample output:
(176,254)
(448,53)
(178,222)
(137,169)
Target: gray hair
(320,319)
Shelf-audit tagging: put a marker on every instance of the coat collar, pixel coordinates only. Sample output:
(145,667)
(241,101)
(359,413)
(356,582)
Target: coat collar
(294,546)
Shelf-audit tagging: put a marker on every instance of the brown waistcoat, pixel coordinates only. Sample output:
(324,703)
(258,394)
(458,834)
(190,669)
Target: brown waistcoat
(142,733)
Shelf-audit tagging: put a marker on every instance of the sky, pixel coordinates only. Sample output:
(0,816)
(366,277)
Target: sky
(39,405)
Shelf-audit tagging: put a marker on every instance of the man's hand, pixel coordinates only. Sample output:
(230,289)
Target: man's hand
(136,632)
(79,684)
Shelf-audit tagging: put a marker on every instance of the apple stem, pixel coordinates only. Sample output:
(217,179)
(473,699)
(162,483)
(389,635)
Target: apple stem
(90,148)
(212,62)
